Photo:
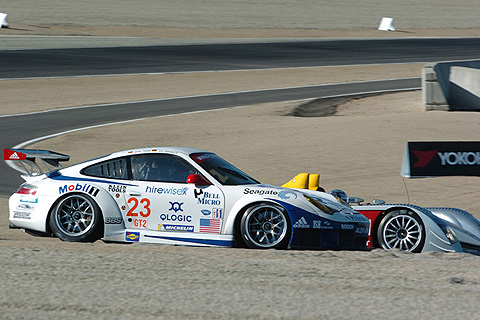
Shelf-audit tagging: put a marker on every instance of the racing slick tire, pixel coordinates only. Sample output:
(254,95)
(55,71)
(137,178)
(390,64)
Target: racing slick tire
(77,218)
(265,226)
(401,229)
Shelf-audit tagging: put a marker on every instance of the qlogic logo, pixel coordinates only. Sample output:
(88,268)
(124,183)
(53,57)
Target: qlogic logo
(444,158)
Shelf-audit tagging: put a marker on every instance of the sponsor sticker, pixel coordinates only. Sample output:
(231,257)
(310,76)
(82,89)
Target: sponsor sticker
(132,236)
(27,199)
(207,198)
(301,224)
(167,191)
(287,195)
(13,155)
(199,158)
(318,224)
(260,192)
(217,213)
(441,158)
(176,206)
(174,227)
(116,188)
(21,215)
(362,230)
(175,217)
(79,187)
(113,220)
(25,206)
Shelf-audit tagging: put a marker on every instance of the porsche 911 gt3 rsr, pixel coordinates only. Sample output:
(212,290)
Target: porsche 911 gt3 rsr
(408,227)
(174,196)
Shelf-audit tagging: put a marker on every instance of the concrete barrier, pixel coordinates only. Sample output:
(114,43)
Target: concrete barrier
(451,86)
(432,93)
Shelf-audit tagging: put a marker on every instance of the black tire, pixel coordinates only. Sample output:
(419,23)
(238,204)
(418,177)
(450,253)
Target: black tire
(401,229)
(265,226)
(77,218)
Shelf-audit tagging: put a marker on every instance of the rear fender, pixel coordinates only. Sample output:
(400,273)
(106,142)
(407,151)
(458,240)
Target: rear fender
(111,213)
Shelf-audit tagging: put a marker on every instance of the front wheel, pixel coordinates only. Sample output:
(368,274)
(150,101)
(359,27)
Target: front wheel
(265,226)
(77,218)
(401,229)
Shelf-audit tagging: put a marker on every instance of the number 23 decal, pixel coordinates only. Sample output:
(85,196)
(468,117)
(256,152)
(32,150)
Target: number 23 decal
(143,202)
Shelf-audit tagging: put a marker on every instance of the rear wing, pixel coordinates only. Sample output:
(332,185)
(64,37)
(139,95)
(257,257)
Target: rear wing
(50,160)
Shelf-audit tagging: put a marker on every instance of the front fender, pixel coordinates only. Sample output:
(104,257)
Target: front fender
(238,208)
(435,238)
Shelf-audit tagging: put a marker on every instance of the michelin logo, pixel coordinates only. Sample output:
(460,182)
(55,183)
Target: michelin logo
(172,227)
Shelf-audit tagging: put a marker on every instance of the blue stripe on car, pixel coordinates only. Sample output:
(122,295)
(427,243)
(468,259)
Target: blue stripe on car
(223,243)
(55,175)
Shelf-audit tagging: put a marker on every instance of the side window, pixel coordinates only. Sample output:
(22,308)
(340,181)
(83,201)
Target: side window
(161,167)
(114,169)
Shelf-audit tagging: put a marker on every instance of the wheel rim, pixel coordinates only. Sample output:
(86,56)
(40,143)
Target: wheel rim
(266,226)
(402,232)
(75,215)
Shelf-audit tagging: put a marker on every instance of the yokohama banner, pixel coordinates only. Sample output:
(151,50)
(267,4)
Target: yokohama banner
(436,159)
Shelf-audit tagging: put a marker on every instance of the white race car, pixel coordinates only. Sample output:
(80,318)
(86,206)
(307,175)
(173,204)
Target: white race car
(174,196)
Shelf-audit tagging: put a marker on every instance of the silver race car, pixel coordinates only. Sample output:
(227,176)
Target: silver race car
(407,227)
(174,196)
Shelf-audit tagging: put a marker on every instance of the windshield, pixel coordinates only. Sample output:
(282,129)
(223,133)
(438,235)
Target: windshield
(221,170)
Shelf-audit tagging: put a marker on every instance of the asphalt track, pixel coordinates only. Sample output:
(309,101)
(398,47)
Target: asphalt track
(15,64)
(211,57)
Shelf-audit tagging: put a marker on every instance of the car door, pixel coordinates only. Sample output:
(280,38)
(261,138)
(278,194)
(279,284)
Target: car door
(163,201)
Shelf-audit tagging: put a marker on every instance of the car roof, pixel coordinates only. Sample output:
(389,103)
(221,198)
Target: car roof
(171,150)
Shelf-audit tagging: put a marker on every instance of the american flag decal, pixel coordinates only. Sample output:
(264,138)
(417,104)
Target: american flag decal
(210,225)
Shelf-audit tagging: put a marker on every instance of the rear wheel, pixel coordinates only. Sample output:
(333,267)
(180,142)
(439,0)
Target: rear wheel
(401,229)
(77,218)
(265,226)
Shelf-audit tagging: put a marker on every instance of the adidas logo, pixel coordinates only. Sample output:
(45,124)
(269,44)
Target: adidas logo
(14,156)
(301,224)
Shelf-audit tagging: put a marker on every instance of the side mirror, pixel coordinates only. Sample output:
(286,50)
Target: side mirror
(340,194)
(198,180)
(355,201)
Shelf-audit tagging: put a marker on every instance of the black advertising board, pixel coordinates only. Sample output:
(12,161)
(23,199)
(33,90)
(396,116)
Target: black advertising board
(437,159)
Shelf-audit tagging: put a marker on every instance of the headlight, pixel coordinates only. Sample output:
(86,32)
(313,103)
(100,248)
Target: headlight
(449,233)
(319,205)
